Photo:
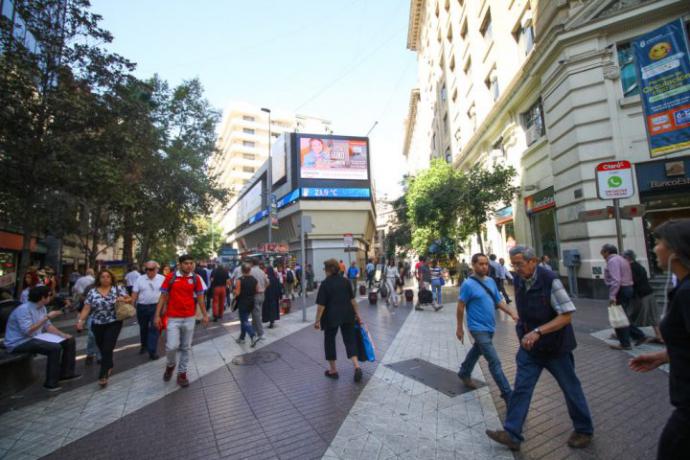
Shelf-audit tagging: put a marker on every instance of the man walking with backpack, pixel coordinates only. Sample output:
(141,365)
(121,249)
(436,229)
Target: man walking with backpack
(352,275)
(479,297)
(182,292)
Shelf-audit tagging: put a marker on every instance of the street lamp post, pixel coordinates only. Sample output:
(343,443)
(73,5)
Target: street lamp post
(269,179)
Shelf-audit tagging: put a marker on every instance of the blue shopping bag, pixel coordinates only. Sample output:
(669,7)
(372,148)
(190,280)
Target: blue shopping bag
(365,346)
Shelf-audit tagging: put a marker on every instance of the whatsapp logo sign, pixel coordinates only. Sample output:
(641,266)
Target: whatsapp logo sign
(615,181)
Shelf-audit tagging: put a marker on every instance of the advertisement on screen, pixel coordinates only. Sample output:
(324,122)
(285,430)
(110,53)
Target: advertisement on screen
(663,70)
(328,158)
(279,159)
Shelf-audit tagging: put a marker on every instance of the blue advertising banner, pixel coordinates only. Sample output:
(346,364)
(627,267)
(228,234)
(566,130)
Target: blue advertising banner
(663,72)
(331,192)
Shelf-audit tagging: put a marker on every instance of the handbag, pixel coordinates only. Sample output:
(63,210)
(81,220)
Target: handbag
(365,346)
(617,317)
(124,310)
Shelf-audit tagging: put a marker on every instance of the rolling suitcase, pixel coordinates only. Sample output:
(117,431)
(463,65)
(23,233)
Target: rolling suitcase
(425,297)
(362,289)
(373,296)
(409,295)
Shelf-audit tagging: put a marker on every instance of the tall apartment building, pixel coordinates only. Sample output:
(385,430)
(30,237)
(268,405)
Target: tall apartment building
(549,87)
(243,144)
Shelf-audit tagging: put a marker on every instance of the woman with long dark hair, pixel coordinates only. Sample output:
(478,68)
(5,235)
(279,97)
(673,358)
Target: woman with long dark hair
(100,303)
(270,309)
(673,254)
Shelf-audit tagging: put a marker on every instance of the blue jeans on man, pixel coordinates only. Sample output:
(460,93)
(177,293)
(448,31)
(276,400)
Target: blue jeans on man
(436,290)
(148,332)
(624,334)
(562,368)
(483,346)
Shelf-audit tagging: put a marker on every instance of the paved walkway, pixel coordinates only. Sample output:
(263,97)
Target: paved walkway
(274,402)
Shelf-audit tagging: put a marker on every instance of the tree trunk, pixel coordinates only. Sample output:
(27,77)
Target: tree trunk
(479,239)
(24,259)
(93,252)
(127,238)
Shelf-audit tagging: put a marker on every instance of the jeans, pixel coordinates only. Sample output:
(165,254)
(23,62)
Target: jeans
(61,357)
(219,295)
(483,346)
(91,348)
(256,314)
(436,291)
(370,279)
(179,337)
(529,369)
(245,326)
(624,298)
(106,339)
(148,332)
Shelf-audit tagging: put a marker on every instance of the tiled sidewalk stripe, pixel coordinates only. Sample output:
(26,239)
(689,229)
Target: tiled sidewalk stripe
(629,409)
(281,409)
(398,417)
(40,428)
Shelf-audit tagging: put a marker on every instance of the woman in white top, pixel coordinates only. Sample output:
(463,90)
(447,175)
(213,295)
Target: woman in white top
(391,274)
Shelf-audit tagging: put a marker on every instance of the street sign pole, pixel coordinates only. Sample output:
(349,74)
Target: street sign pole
(303,273)
(619,231)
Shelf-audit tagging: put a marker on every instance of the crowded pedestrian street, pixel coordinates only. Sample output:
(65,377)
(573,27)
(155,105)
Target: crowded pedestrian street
(273,402)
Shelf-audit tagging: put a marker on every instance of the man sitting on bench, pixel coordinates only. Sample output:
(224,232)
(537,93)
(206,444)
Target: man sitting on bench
(29,320)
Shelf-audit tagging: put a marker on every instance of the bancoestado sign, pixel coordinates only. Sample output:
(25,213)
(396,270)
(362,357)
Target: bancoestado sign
(614,180)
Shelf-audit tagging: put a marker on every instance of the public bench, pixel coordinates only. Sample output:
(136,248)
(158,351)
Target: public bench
(16,369)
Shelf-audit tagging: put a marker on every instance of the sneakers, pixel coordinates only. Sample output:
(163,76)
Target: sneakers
(52,388)
(579,440)
(418,308)
(468,382)
(502,437)
(437,307)
(182,380)
(256,340)
(358,375)
(168,373)
(239,340)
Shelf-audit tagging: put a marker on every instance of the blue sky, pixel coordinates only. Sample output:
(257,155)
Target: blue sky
(343,60)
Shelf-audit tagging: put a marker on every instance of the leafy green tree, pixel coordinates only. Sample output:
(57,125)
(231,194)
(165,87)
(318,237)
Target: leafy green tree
(48,87)
(206,239)
(480,191)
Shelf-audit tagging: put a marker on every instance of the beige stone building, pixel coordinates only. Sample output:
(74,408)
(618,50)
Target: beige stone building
(548,87)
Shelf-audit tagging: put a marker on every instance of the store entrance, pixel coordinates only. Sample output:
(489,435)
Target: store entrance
(659,210)
(545,235)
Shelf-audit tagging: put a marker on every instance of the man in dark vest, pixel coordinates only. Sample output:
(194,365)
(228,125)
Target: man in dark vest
(547,342)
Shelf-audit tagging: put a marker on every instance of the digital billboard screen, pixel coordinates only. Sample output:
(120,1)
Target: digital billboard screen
(329,158)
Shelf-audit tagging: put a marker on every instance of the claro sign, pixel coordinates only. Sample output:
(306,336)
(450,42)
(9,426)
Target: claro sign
(614,180)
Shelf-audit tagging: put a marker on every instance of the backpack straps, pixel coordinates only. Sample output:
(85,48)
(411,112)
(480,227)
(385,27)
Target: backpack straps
(488,291)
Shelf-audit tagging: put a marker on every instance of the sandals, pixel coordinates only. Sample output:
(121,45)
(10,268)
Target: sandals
(330,375)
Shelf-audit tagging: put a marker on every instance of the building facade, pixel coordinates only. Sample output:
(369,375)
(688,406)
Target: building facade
(550,88)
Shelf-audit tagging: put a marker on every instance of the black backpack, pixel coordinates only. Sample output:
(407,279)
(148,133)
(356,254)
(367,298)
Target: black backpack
(290,277)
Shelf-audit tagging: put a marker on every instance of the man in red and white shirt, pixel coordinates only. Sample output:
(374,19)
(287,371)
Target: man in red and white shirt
(181,293)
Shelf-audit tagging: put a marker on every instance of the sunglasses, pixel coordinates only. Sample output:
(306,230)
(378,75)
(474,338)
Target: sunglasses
(150,269)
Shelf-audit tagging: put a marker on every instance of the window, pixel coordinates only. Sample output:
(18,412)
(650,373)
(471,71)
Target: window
(248,118)
(247,169)
(447,5)
(437,10)
(463,29)
(533,123)
(444,93)
(8,9)
(448,156)
(455,95)
(626,62)
(446,128)
(452,63)
(449,35)
(498,150)
(524,36)
(467,68)
(491,83)
(472,117)
(248,131)
(248,156)
(486,29)
(248,144)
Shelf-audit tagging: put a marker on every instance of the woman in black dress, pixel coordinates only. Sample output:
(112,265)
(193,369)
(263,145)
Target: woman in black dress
(673,253)
(244,290)
(337,309)
(270,310)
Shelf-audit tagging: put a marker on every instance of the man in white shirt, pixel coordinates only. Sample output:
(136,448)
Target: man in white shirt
(145,295)
(262,284)
(83,282)
(131,278)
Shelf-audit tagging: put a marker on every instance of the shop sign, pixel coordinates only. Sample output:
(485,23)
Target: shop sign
(503,215)
(540,201)
(663,175)
(663,73)
(614,180)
